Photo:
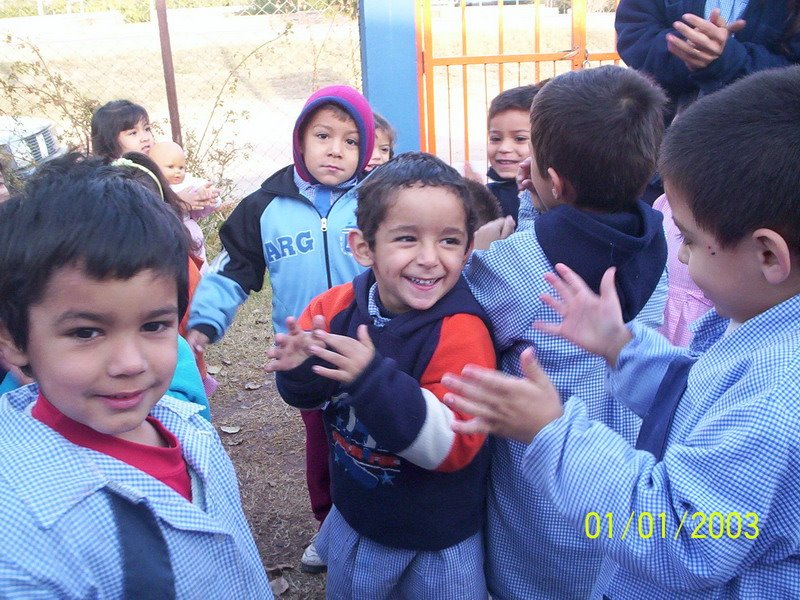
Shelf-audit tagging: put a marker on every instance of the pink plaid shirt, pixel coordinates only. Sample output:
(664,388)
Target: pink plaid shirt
(685,302)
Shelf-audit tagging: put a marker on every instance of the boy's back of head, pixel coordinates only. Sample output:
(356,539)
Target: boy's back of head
(600,129)
(734,156)
(487,207)
(76,211)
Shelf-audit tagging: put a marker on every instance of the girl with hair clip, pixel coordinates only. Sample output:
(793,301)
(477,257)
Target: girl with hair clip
(147,172)
(122,126)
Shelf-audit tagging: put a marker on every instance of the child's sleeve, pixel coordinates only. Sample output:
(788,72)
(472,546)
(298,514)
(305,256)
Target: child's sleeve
(724,498)
(221,292)
(186,382)
(640,367)
(301,387)
(407,416)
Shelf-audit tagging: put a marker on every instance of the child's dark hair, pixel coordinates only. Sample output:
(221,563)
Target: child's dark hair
(518,98)
(156,181)
(111,119)
(487,206)
(382,124)
(600,129)
(741,173)
(78,211)
(152,177)
(377,194)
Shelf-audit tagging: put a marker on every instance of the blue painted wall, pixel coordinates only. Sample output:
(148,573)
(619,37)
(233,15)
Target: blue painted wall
(389,66)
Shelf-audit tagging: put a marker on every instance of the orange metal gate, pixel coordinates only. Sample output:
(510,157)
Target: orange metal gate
(471,50)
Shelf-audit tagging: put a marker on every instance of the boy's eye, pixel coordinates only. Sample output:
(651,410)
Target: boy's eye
(405,238)
(84,333)
(352,142)
(157,326)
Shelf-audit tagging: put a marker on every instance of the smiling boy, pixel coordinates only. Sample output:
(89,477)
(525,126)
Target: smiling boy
(408,493)
(109,488)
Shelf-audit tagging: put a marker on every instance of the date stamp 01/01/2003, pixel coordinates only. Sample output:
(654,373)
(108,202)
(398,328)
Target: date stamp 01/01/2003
(697,525)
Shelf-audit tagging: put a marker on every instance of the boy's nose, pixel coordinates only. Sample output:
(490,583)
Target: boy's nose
(336,147)
(427,255)
(126,359)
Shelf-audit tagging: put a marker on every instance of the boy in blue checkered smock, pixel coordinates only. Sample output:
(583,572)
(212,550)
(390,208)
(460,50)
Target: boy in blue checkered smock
(706,505)
(594,137)
(108,487)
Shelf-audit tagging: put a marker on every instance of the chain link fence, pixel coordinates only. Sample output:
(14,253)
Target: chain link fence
(242,71)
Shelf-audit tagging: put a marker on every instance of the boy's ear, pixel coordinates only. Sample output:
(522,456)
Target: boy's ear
(9,350)
(562,188)
(360,248)
(774,255)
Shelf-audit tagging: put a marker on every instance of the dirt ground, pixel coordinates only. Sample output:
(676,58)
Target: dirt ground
(267,449)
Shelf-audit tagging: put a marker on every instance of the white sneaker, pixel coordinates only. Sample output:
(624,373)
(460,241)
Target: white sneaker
(311,561)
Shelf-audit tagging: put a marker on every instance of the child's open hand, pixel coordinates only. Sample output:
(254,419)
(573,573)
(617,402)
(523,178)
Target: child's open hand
(293,348)
(512,407)
(349,356)
(524,176)
(499,229)
(197,341)
(592,322)
(201,196)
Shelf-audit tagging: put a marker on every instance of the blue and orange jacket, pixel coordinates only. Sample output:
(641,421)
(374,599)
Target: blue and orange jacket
(399,474)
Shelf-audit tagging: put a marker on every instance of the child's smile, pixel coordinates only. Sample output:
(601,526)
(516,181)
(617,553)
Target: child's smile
(104,352)
(420,248)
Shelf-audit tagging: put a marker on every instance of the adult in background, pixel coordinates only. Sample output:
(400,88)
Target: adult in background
(695,47)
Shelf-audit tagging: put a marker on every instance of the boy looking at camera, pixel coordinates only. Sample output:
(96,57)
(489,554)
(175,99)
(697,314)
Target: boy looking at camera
(109,488)
(408,493)
(295,227)
(715,462)
(594,136)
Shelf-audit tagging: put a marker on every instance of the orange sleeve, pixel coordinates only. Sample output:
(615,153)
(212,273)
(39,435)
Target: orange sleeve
(464,340)
(328,304)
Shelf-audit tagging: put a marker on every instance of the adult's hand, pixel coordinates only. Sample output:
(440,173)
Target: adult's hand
(703,40)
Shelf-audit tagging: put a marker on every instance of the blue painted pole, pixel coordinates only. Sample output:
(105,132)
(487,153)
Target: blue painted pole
(389,66)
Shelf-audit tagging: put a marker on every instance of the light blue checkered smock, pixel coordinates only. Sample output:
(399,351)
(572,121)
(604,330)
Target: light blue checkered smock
(733,448)
(533,552)
(362,569)
(59,537)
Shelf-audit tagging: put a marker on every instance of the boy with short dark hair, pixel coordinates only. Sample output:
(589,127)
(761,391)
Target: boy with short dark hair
(109,488)
(408,493)
(715,465)
(295,228)
(508,143)
(594,139)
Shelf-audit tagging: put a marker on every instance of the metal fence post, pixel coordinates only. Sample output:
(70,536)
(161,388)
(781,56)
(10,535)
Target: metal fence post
(169,71)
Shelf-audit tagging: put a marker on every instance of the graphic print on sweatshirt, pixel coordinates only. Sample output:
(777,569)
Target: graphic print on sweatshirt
(355,451)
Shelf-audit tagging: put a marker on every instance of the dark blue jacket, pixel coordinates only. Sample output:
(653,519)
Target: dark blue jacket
(642,26)
(372,422)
